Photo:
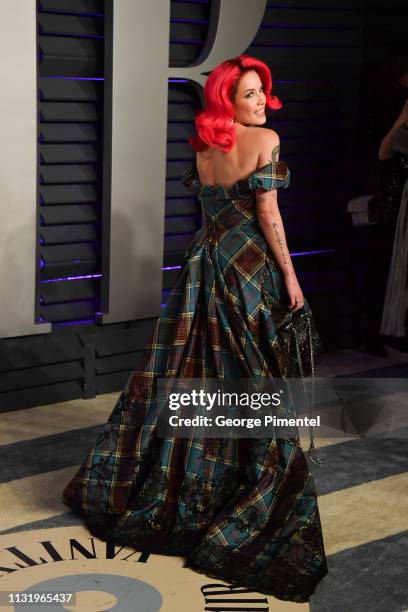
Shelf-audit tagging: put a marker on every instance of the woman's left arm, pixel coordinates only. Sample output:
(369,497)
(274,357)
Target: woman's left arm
(385,151)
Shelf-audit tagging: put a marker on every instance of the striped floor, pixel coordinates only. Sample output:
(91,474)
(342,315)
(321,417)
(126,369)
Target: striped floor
(362,489)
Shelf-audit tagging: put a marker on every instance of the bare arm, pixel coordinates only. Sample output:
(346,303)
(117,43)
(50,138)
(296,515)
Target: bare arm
(270,222)
(385,151)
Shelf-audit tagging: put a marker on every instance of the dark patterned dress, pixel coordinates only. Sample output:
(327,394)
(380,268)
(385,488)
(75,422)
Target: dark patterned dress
(240,510)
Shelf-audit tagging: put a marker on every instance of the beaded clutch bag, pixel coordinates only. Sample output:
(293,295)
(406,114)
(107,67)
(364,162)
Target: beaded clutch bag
(303,344)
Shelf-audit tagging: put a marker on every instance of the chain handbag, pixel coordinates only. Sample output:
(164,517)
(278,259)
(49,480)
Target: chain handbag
(298,325)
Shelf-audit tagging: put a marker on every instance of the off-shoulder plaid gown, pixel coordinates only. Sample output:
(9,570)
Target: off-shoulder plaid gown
(240,510)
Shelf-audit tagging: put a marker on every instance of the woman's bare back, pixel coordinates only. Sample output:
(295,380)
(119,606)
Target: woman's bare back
(216,168)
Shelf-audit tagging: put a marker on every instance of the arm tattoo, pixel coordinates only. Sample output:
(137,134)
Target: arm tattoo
(275,153)
(280,242)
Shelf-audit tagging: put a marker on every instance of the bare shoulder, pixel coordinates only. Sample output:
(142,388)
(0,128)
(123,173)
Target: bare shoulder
(266,134)
(268,144)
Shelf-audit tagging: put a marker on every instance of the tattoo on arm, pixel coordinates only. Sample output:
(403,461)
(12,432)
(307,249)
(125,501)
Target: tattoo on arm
(280,242)
(275,153)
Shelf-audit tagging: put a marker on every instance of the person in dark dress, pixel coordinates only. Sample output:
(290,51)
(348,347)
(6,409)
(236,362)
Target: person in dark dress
(240,510)
(392,173)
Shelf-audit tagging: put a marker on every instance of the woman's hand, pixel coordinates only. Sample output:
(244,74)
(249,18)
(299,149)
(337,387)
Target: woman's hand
(403,116)
(385,151)
(296,299)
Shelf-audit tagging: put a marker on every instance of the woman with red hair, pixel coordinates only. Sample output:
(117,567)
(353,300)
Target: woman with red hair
(241,509)
(214,124)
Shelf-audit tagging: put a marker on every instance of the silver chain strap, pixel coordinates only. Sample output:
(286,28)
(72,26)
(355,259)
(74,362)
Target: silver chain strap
(313,456)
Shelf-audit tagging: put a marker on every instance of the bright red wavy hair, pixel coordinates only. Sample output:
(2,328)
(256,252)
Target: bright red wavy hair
(213,122)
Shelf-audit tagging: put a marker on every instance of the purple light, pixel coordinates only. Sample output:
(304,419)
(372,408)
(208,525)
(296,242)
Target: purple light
(71,278)
(313,252)
(192,1)
(42,264)
(300,81)
(305,27)
(67,323)
(171,268)
(178,80)
(66,78)
(319,252)
(309,8)
(195,21)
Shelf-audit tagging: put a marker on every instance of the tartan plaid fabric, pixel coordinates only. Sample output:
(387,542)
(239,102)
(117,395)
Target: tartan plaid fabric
(240,510)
